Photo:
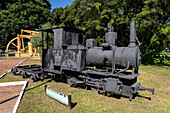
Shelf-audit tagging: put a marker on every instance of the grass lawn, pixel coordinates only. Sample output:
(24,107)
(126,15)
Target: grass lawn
(35,101)
(168,53)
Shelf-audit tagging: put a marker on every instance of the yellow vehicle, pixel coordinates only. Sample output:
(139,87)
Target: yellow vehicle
(21,51)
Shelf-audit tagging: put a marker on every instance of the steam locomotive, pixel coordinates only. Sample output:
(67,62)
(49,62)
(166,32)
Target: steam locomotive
(105,69)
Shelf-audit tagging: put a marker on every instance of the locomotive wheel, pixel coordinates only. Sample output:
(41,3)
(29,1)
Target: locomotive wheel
(13,71)
(44,75)
(104,93)
(23,75)
(94,90)
(69,81)
(34,78)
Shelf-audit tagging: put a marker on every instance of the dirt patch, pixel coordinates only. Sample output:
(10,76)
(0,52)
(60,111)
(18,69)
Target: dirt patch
(8,97)
(7,64)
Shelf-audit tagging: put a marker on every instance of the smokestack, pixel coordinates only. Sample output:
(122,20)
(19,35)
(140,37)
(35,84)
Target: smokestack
(132,34)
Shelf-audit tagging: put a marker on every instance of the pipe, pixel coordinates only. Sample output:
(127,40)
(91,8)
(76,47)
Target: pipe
(127,67)
(42,50)
(113,58)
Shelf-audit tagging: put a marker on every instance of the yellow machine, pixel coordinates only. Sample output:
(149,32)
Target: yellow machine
(21,51)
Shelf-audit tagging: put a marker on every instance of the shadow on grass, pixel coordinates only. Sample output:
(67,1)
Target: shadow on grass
(39,85)
(73,105)
(116,96)
(9,99)
(137,95)
(119,96)
(149,98)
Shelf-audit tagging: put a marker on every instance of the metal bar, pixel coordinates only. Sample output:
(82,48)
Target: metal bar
(141,88)
(69,101)
(47,40)
(45,87)
(127,67)
(113,59)
(42,50)
(14,44)
(19,46)
(23,43)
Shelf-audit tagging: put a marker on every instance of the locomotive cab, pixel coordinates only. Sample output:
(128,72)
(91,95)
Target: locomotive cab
(66,38)
(68,51)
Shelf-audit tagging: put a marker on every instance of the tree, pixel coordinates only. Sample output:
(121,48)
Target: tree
(37,41)
(85,15)
(151,16)
(56,14)
(154,17)
(21,14)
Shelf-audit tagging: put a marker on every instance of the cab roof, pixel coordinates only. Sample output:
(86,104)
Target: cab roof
(64,28)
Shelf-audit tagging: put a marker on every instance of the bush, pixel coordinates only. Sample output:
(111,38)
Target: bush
(154,57)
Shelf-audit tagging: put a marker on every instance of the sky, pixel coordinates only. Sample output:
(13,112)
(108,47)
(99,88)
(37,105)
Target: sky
(60,3)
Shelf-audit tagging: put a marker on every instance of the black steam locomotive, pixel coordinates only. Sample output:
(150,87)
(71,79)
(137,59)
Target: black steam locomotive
(105,69)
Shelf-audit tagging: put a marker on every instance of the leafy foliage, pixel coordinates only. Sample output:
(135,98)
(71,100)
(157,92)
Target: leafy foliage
(151,16)
(152,19)
(37,41)
(21,14)
(57,12)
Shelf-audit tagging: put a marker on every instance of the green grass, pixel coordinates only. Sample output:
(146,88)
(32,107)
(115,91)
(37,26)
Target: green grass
(35,101)
(168,53)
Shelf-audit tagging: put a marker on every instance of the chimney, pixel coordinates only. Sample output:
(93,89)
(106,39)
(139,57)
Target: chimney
(132,34)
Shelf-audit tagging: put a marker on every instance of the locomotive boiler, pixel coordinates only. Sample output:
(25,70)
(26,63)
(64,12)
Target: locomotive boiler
(105,69)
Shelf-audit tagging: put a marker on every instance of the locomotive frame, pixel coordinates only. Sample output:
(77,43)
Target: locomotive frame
(89,65)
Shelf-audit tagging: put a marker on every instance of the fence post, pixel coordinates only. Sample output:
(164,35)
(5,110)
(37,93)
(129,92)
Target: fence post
(45,87)
(69,101)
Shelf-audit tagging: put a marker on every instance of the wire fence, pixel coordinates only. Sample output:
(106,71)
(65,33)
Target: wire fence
(10,54)
(4,54)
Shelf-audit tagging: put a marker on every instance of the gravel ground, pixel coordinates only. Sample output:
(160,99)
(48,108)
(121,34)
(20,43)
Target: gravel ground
(7,64)
(8,97)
